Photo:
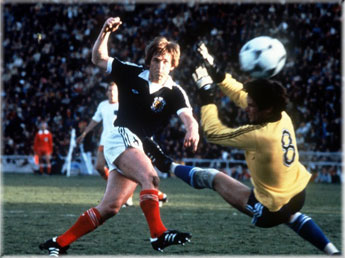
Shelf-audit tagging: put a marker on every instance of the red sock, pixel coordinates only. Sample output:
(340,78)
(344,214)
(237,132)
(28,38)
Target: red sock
(150,205)
(86,223)
(49,169)
(41,169)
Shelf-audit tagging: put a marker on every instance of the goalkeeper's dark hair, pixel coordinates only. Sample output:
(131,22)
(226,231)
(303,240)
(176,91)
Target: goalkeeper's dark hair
(267,94)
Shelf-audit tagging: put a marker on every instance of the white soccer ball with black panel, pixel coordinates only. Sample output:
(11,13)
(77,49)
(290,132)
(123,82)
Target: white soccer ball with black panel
(262,57)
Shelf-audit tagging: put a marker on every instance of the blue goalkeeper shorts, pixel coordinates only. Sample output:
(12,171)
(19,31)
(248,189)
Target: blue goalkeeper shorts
(264,218)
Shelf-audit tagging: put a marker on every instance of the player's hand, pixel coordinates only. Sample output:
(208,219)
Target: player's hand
(201,77)
(213,70)
(192,137)
(112,24)
(206,87)
(80,138)
(203,51)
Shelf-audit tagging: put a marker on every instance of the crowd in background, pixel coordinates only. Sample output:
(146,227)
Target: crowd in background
(48,74)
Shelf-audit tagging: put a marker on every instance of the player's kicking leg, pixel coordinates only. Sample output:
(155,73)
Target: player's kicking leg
(118,189)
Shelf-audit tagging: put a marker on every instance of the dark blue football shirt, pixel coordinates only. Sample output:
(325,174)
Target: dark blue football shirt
(141,112)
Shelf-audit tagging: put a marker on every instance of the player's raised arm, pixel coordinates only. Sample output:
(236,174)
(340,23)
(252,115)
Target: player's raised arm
(100,48)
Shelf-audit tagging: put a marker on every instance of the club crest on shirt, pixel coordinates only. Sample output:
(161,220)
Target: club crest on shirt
(158,104)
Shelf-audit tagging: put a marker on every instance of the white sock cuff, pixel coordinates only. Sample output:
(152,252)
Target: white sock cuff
(173,166)
(294,217)
(330,249)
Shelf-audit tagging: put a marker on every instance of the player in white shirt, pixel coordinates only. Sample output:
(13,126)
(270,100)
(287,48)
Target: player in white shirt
(107,113)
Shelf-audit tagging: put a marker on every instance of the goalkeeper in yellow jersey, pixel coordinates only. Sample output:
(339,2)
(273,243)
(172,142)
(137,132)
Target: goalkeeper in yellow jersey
(279,179)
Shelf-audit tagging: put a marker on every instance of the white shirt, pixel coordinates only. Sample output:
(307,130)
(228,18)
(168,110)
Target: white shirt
(107,113)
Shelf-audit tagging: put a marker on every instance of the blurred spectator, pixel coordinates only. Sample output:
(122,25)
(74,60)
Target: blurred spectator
(43,148)
(323,176)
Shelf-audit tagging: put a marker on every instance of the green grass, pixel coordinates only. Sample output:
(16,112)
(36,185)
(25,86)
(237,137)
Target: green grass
(36,208)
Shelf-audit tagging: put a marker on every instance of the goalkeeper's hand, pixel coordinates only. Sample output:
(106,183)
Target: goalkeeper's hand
(214,71)
(206,87)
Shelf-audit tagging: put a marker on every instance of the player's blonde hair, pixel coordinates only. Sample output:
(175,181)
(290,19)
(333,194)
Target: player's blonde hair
(160,45)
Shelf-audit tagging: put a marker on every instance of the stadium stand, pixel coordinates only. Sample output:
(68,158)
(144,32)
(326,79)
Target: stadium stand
(48,74)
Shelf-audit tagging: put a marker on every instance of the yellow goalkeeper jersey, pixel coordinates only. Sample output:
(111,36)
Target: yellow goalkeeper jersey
(270,149)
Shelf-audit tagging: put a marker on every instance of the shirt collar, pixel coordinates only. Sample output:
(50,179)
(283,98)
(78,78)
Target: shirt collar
(153,87)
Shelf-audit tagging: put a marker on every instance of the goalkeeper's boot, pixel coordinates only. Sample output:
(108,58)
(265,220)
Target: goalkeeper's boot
(159,159)
(162,197)
(170,237)
(53,247)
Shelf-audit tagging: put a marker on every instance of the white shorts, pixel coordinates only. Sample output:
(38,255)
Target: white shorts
(116,142)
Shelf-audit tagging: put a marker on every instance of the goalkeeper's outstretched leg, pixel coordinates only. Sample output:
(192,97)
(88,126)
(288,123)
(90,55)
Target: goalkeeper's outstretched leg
(232,191)
(243,198)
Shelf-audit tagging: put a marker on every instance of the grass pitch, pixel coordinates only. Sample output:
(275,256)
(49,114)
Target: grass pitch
(36,208)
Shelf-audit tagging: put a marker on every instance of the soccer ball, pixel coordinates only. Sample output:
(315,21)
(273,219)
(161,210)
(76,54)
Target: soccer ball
(262,57)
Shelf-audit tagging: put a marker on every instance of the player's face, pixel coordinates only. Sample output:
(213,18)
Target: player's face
(112,93)
(254,114)
(160,67)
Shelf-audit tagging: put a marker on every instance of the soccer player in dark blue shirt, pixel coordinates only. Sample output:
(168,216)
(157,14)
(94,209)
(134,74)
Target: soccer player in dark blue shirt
(147,100)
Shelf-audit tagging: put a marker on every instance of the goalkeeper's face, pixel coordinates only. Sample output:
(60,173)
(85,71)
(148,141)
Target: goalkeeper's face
(160,67)
(255,114)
